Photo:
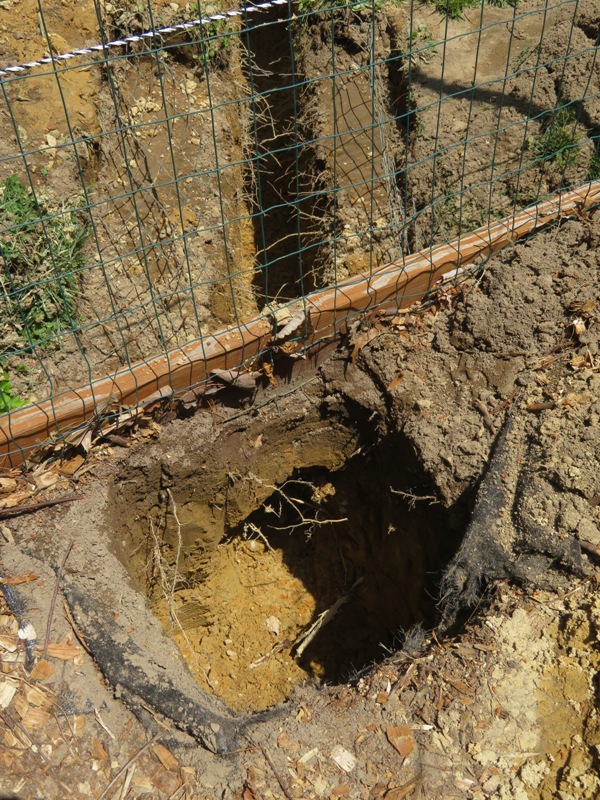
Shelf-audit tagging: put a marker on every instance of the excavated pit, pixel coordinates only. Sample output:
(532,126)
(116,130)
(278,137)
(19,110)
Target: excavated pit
(301,554)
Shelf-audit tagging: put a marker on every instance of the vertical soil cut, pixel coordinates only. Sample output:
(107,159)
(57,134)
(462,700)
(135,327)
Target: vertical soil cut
(290,201)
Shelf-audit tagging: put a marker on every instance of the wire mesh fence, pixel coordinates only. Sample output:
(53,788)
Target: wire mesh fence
(168,172)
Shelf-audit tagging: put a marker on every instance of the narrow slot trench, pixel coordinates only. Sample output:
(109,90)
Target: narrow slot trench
(328,186)
(403,112)
(285,175)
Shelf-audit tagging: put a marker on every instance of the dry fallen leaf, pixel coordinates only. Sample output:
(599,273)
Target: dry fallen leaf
(343,758)
(395,382)
(41,671)
(64,652)
(7,485)
(400,792)
(10,740)
(285,743)
(143,783)
(360,340)
(8,690)
(401,738)
(37,697)
(7,533)
(35,719)
(340,789)
(15,580)
(98,750)
(45,480)
(165,757)
(14,499)
(71,466)
(460,686)
(8,643)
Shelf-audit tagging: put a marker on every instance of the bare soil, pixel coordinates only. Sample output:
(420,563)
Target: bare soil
(198,175)
(501,706)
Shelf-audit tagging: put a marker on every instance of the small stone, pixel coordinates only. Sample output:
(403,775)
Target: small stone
(273,624)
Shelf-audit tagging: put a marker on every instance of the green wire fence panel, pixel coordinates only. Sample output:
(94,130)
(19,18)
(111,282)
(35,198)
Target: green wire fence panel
(167,171)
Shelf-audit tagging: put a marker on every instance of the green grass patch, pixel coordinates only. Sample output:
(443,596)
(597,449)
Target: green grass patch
(558,142)
(593,172)
(454,8)
(41,247)
(360,7)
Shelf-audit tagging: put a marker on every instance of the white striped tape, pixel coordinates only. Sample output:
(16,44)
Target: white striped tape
(138,37)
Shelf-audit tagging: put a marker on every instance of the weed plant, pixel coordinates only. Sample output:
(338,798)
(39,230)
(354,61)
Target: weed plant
(215,38)
(594,166)
(558,141)
(360,7)
(41,249)
(8,397)
(454,8)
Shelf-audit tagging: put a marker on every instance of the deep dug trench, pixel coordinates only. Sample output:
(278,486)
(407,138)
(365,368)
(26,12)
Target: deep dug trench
(238,537)
(374,489)
(396,409)
(242,545)
(325,132)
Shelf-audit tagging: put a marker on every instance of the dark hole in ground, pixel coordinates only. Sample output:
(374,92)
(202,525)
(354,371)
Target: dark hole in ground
(361,548)
(377,567)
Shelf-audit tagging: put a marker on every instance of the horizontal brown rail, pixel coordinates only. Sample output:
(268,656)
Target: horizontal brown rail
(320,316)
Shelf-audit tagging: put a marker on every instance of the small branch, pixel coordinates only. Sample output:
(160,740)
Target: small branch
(548,405)
(589,547)
(54,596)
(132,760)
(250,527)
(267,758)
(412,498)
(128,778)
(5,513)
(323,619)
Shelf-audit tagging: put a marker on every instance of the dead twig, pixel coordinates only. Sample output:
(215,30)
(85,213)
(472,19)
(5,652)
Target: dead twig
(505,403)
(412,498)
(323,619)
(128,778)
(5,513)
(549,404)
(589,547)
(78,634)
(19,731)
(55,595)
(267,758)
(129,763)
(103,725)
